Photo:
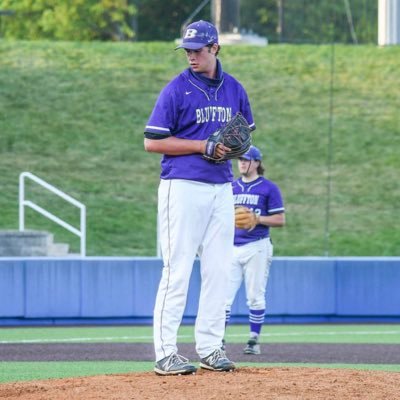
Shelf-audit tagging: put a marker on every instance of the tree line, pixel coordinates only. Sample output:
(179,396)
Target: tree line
(280,21)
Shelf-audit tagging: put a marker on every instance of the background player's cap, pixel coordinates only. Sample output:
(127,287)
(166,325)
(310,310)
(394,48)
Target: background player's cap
(253,153)
(198,34)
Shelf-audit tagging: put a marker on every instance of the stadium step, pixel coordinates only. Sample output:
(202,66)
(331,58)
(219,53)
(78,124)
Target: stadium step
(31,243)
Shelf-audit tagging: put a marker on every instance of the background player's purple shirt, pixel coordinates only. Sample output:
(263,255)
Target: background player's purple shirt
(192,109)
(264,198)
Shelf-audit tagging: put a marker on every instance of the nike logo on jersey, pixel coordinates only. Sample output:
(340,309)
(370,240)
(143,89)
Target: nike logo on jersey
(188,92)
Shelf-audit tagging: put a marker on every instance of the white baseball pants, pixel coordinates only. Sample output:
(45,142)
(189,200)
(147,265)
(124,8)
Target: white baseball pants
(195,218)
(251,263)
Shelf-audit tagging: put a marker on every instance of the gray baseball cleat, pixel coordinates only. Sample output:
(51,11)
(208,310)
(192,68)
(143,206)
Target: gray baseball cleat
(174,364)
(217,361)
(253,347)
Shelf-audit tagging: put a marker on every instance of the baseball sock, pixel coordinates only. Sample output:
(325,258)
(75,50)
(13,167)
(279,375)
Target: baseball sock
(227,317)
(256,319)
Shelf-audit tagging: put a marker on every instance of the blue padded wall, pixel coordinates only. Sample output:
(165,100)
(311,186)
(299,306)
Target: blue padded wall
(122,289)
(301,287)
(371,288)
(12,288)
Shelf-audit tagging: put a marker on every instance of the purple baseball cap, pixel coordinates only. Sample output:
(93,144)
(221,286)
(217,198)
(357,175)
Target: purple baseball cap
(253,153)
(198,34)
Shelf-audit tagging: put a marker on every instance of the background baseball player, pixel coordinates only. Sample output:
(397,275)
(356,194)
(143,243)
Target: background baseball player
(258,206)
(195,201)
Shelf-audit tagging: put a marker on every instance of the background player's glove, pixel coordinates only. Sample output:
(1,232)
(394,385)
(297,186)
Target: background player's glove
(235,135)
(245,218)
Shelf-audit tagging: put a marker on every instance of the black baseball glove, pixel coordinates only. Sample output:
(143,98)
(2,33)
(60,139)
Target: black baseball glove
(235,135)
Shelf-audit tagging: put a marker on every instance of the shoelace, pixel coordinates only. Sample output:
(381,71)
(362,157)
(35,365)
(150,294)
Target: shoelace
(174,359)
(215,356)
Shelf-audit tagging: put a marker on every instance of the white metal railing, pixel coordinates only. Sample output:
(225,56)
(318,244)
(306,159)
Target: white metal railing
(27,203)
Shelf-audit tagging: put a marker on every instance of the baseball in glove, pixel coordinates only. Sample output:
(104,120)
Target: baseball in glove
(234,135)
(245,218)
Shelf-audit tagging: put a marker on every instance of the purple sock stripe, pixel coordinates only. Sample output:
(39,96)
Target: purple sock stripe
(256,319)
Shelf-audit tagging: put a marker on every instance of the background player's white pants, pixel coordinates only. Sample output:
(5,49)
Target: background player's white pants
(195,218)
(251,262)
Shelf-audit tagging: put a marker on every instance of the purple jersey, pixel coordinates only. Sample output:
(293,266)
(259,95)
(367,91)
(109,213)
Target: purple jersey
(190,108)
(264,198)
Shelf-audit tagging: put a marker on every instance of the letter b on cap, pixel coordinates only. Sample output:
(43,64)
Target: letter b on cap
(190,34)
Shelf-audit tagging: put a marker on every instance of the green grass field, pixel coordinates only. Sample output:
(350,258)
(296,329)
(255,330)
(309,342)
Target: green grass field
(18,371)
(74,114)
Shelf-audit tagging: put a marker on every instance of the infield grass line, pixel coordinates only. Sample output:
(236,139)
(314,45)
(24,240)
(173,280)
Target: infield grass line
(17,371)
(230,336)
(234,334)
